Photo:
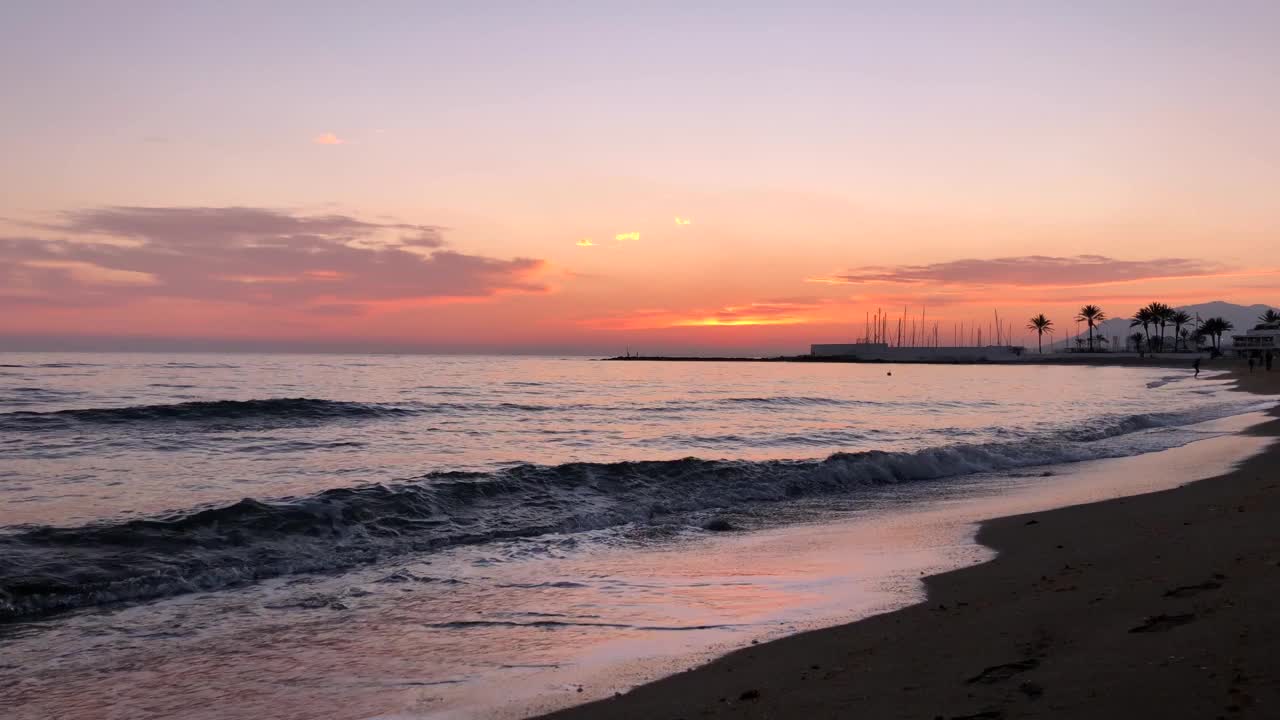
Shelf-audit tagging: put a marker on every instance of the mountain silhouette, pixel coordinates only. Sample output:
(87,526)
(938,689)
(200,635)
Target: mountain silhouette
(1243,317)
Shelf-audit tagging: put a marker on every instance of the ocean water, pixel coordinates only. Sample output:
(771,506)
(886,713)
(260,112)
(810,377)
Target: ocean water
(416,535)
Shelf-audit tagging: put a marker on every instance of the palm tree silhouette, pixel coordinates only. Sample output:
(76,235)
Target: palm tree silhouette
(1164,314)
(1041,325)
(1167,318)
(1207,328)
(1179,318)
(1136,339)
(1144,318)
(1091,314)
(1214,328)
(1199,335)
(1160,315)
(1269,316)
(1224,326)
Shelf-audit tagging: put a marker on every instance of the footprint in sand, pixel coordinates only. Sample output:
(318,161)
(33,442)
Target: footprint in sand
(1189,590)
(996,673)
(1160,623)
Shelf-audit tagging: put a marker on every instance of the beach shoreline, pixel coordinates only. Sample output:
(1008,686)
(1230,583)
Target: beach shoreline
(1156,605)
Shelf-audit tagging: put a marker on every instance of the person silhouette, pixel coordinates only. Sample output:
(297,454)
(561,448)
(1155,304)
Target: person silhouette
(1196,365)
(1268,361)
(1252,362)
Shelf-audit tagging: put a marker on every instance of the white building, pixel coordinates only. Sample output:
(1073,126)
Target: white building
(1257,342)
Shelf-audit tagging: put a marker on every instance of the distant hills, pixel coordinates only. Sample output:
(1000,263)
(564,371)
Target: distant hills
(1244,317)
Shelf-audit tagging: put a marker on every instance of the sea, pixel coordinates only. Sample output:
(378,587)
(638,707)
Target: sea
(396,536)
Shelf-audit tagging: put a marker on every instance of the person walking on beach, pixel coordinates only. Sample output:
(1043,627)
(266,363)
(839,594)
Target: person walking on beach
(1251,363)
(1196,365)
(1268,361)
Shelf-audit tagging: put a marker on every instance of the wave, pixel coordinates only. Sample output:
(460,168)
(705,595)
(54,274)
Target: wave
(271,411)
(274,412)
(194,366)
(792,401)
(816,438)
(46,570)
(36,396)
(467,624)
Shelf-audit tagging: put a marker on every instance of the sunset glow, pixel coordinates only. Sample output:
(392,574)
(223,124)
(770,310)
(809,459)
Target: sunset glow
(595,360)
(532,189)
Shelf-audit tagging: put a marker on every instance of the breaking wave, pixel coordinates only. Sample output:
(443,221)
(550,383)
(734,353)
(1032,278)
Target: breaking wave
(283,411)
(278,410)
(46,570)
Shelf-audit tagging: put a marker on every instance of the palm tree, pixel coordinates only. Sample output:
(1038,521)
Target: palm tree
(1160,315)
(1269,316)
(1164,314)
(1144,318)
(1224,326)
(1179,318)
(1136,339)
(1208,328)
(1041,325)
(1091,314)
(1214,328)
(1199,335)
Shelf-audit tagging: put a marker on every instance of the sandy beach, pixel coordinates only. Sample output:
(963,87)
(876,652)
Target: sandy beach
(1161,605)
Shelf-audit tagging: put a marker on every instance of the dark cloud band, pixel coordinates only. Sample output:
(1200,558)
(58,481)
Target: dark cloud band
(1029,270)
(336,263)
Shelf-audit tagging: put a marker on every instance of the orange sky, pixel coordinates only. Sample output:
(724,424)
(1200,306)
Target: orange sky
(673,180)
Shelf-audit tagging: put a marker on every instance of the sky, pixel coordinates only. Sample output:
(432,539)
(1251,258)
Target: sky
(600,177)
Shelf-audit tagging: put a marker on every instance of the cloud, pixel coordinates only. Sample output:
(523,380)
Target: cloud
(683,221)
(90,274)
(1028,270)
(259,256)
(623,237)
(328,139)
(585,242)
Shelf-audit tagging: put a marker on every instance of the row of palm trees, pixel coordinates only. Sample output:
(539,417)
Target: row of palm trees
(1153,315)
(1213,328)
(1158,314)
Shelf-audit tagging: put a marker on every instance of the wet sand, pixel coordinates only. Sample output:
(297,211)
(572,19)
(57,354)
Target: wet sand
(1162,605)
